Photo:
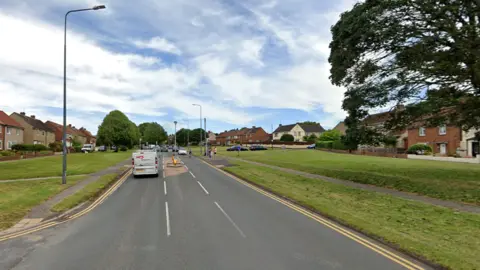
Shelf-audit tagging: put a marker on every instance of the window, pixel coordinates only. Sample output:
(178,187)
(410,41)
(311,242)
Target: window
(421,131)
(43,133)
(18,131)
(442,130)
(8,130)
(1,144)
(9,145)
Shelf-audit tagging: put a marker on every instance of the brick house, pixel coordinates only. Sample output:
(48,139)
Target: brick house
(78,135)
(444,139)
(298,131)
(243,136)
(90,139)
(58,130)
(469,146)
(377,121)
(227,137)
(255,135)
(11,132)
(35,131)
(211,137)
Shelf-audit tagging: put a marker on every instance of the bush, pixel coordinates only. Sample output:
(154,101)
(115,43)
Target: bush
(123,148)
(419,149)
(6,153)
(287,138)
(55,146)
(39,147)
(77,149)
(331,145)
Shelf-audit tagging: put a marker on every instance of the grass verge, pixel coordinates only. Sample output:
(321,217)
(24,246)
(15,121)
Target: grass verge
(18,198)
(89,192)
(442,180)
(437,234)
(52,166)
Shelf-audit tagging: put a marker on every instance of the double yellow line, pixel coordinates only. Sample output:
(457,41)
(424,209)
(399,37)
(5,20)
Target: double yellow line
(357,238)
(49,224)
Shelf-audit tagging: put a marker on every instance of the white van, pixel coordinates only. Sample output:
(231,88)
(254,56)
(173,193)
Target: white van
(145,163)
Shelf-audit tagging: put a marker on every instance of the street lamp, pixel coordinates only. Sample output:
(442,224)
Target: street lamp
(200,125)
(188,132)
(64,168)
(175,122)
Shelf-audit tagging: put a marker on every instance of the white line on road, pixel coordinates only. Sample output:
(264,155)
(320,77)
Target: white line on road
(165,187)
(192,174)
(168,218)
(204,189)
(185,167)
(163,174)
(230,219)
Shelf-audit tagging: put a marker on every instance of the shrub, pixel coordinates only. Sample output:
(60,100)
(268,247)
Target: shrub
(55,146)
(39,147)
(287,138)
(324,144)
(77,148)
(123,148)
(419,149)
(6,153)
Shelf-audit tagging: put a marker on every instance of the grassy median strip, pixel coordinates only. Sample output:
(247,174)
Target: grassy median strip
(438,234)
(52,166)
(89,192)
(442,180)
(18,198)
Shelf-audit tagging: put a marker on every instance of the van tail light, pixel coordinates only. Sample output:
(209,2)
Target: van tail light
(156,161)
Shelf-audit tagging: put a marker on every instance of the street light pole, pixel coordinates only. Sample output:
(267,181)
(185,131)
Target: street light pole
(188,132)
(176,148)
(200,125)
(64,167)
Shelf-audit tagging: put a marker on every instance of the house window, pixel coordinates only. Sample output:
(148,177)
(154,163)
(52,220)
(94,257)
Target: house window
(18,131)
(1,144)
(9,145)
(9,130)
(421,131)
(442,130)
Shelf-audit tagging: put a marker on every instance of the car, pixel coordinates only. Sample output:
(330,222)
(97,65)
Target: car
(182,151)
(88,148)
(257,147)
(237,148)
(311,146)
(102,148)
(114,148)
(145,163)
(163,148)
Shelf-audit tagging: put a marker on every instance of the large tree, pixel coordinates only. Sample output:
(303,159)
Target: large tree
(421,53)
(330,135)
(117,129)
(152,132)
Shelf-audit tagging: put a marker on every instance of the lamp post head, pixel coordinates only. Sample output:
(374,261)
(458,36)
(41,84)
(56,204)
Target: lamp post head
(175,122)
(99,7)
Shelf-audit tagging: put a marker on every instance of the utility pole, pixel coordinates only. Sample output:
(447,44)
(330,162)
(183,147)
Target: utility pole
(206,133)
(175,145)
(201,133)
(272,136)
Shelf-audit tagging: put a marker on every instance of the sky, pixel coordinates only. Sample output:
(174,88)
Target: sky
(248,63)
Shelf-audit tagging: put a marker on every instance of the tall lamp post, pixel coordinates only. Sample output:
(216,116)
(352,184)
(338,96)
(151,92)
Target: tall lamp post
(200,125)
(188,132)
(175,144)
(64,168)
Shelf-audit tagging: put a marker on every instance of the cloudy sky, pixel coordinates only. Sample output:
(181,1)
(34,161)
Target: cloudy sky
(249,63)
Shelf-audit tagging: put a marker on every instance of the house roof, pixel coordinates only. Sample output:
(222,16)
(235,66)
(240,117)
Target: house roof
(341,127)
(86,132)
(8,121)
(376,118)
(305,127)
(58,126)
(35,123)
(284,128)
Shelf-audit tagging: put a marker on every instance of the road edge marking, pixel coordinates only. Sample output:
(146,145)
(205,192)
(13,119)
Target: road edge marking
(51,223)
(360,239)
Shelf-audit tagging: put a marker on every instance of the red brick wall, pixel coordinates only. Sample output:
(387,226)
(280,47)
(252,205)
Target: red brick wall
(432,137)
(2,137)
(260,135)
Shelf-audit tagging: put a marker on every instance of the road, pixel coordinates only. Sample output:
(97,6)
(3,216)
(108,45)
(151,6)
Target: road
(196,219)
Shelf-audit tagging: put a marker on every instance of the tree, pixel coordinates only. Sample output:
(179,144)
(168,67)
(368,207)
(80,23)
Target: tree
(287,138)
(117,129)
(308,123)
(311,139)
(152,133)
(424,54)
(330,135)
(183,136)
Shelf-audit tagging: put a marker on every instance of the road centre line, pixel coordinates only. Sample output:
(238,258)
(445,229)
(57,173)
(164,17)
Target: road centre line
(230,219)
(185,167)
(192,174)
(357,238)
(165,187)
(168,218)
(204,189)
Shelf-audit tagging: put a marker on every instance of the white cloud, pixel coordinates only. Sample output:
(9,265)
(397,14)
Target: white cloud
(251,51)
(159,44)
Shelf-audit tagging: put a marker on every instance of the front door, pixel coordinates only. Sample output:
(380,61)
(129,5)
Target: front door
(443,149)
(475,148)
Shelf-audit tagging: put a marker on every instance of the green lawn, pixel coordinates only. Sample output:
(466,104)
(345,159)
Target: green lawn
(18,198)
(90,191)
(52,166)
(439,234)
(443,180)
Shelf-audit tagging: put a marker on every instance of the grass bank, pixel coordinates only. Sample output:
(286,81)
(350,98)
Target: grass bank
(438,234)
(18,198)
(52,166)
(442,180)
(89,192)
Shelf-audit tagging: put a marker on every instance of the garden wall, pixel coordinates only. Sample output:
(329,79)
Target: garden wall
(449,159)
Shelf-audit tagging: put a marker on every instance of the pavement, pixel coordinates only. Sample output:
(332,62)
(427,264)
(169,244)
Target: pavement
(196,218)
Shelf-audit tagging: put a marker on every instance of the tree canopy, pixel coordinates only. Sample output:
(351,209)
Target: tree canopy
(287,138)
(330,135)
(117,129)
(423,54)
(152,132)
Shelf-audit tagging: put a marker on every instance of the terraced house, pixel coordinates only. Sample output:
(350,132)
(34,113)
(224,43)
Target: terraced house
(11,132)
(298,131)
(35,131)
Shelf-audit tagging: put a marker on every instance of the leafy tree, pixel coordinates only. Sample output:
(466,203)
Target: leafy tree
(152,132)
(330,135)
(390,141)
(287,138)
(312,138)
(76,142)
(117,129)
(184,136)
(308,123)
(424,54)
(195,136)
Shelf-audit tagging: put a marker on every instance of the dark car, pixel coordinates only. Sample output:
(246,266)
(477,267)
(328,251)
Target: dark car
(311,146)
(237,148)
(114,148)
(257,148)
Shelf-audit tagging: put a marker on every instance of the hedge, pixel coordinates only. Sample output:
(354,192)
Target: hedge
(419,148)
(331,145)
(29,147)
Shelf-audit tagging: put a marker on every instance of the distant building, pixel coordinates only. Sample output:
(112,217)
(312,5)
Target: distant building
(35,131)
(11,132)
(341,127)
(298,131)
(245,135)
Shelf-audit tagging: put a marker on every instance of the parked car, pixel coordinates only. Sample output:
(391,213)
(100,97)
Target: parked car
(257,147)
(114,148)
(88,148)
(182,151)
(237,148)
(102,148)
(311,146)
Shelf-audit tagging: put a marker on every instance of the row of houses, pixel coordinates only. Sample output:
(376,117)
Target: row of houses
(18,128)
(444,139)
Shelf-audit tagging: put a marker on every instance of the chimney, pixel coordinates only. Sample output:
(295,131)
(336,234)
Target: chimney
(32,116)
(22,113)
(279,125)
(69,125)
(254,127)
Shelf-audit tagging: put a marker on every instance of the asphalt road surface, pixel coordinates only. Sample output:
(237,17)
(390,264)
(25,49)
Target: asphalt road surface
(197,219)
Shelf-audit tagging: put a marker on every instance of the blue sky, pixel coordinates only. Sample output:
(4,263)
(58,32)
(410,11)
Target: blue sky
(249,63)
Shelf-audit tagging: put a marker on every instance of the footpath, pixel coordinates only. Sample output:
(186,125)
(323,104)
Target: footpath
(223,161)
(42,211)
